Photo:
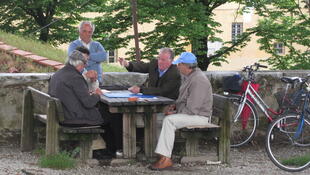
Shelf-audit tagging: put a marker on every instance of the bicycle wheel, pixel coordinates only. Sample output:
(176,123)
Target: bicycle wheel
(242,130)
(287,147)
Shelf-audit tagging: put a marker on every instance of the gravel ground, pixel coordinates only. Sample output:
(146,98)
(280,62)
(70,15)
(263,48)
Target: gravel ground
(247,160)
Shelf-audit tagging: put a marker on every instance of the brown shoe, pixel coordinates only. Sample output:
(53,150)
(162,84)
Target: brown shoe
(161,164)
(158,162)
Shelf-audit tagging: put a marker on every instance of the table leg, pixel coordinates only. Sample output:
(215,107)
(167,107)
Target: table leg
(149,134)
(129,135)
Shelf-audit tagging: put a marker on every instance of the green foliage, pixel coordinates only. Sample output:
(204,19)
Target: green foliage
(177,24)
(48,20)
(287,23)
(57,161)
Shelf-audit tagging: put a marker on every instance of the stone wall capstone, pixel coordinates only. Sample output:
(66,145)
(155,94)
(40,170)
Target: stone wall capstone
(13,85)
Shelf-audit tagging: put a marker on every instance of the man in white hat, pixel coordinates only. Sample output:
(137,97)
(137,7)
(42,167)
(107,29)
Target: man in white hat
(193,107)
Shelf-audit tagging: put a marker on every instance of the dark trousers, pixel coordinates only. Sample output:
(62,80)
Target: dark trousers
(113,126)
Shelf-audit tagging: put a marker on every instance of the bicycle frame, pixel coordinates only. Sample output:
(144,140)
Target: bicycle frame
(304,114)
(302,118)
(257,100)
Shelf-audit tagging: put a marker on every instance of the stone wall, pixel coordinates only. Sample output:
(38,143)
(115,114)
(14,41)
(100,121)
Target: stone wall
(12,86)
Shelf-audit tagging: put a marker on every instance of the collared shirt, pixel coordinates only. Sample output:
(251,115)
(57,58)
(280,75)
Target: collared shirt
(84,44)
(162,72)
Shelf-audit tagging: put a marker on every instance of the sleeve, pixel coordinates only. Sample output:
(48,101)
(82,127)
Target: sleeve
(81,91)
(99,55)
(138,67)
(71,48)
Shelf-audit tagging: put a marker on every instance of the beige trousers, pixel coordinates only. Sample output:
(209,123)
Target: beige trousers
(170,124)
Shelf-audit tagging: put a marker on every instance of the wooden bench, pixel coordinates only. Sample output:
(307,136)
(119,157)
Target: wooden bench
(40,108)
(221,130)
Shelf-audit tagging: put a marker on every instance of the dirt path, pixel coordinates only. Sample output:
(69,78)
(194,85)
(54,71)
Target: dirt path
(250,160)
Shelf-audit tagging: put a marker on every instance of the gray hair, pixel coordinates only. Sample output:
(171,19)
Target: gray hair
(76,58)
(86,22)
(191,65)
(167,50)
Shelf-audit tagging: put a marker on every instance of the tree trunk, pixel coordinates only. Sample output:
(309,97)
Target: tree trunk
(200,49)
(44,34)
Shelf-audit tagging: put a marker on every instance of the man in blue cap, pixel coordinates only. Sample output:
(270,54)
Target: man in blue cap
(193,107)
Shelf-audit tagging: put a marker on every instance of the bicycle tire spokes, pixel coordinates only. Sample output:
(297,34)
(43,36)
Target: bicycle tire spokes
(286,151)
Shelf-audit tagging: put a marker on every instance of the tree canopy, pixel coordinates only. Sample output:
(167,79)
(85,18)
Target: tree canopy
(286,22)
(48,20)
(177,23)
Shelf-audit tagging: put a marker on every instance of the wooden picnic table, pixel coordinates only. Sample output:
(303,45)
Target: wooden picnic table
(147,107)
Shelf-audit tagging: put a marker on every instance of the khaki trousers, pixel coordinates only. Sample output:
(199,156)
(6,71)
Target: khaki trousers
(170,124)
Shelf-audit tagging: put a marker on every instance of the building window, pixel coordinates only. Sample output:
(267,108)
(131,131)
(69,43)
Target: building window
(112,56)
(279,48)
(237,29)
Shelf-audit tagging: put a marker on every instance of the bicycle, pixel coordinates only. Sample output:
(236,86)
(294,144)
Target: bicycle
(245,119)
(288,138)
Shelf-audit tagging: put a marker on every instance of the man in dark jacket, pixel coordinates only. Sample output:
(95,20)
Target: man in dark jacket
(70,87)
(164,78)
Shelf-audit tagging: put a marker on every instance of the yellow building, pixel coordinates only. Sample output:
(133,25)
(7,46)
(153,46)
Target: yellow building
(232,24)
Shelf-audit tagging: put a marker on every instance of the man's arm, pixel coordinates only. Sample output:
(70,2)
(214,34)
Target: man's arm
(81,90)
(72,47)
(100,55)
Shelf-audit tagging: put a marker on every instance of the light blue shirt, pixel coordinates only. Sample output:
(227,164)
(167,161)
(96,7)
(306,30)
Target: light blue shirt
(97,55)
(162,72)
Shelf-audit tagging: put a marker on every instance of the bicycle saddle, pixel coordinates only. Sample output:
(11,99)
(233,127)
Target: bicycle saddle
(292,80)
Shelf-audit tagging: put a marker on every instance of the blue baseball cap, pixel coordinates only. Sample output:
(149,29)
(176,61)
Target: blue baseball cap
(186,57)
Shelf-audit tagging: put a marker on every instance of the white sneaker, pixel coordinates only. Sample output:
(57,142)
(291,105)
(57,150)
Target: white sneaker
(119,153)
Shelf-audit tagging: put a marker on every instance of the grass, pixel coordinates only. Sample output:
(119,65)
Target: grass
(59,161)
(46,50)
(34,46)
(297,161)
(62,160)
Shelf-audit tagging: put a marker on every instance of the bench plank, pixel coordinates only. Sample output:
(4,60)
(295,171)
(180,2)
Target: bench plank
(27,134)
(221,113)
(40,106)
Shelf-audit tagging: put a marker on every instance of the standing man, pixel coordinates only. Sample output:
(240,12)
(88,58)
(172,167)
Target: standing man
(164,78)
(97,52)
(91,76)
(193,107)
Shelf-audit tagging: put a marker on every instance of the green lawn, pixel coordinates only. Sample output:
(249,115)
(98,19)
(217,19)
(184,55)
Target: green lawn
(46,50)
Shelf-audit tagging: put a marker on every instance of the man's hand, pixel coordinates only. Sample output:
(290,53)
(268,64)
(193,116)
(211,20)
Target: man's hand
(170,110)
(98,91)
(134,89)
(92,75)
(123,62)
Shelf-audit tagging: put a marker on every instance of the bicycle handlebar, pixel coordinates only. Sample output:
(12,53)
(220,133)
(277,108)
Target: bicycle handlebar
(260,65)
(252,68)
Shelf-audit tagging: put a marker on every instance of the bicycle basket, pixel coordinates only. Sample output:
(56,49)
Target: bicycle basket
(293,98)
(232,84)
